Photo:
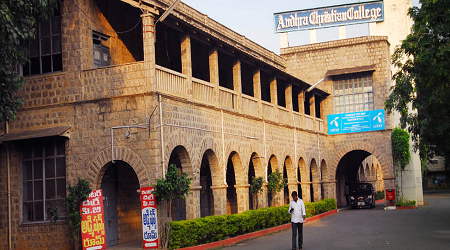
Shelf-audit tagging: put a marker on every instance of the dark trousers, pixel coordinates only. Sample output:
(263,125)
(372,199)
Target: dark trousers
(297,227)
(347,199)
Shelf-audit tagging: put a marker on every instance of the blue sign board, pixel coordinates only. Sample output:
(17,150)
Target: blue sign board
(329,16)
(362,121)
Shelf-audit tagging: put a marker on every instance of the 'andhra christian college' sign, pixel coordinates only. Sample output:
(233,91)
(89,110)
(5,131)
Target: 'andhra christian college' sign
(329,16)
(362,121)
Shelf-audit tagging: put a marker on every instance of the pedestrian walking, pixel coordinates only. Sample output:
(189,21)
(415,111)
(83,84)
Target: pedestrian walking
(298,215)
(347,193)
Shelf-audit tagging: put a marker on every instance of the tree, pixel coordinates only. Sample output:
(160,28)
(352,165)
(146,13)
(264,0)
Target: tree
(423,78)
(255,189)
(275,182)
(400,152)
(18,22)
(175,185)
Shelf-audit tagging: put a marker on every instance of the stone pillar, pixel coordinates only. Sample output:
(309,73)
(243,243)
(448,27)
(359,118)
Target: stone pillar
(237,84)
(148,35)
(186,63)
(193,203)
(262,199)
(312,105)
(329,187)
(274,96)
(257,88)
(306,191)
(220,199)
(317,191)
(288,97)
(301,102)
(242,197)
(214,72)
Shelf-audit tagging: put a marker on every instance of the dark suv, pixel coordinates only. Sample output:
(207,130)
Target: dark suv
(362,195)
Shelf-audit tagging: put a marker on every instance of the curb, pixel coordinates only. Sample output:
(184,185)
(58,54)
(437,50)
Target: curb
(231,241)
(406,208)
(380,201)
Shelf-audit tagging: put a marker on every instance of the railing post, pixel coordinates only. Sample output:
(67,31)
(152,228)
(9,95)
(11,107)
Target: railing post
(148,36)
(274,97)
(214,73)
(257,89)
(186,64)
(237,84)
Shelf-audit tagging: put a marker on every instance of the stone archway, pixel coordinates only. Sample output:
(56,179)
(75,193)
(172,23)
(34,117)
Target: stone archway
(97,170)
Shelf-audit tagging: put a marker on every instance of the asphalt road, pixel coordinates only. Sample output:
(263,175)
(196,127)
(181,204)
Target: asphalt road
(427,227)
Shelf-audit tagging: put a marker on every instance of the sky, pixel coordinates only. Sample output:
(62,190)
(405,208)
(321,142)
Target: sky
(254,19)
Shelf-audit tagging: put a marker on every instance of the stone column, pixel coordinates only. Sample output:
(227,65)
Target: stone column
(193,203)
(214,72)
(301,102)
(242,197)
(220,199)
(148,35)
(329,187)
(262,199)
(257,88)
(288,96)
(237,84)
(312,106)
(186,63)
(317,191)
(306,191)
(274,96)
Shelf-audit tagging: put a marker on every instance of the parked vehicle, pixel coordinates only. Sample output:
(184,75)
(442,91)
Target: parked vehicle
(362,195)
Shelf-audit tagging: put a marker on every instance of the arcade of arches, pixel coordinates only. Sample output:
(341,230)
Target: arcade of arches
(217,191)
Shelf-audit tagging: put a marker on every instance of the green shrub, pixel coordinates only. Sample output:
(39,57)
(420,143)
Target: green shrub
(405,203)
(379,195)
(214,228)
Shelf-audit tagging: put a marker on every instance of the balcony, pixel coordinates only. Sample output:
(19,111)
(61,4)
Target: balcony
(176,84)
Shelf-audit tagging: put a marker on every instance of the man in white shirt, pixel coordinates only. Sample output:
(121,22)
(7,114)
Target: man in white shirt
(298,215)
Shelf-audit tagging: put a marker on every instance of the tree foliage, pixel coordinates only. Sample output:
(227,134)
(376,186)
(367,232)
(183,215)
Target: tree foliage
(423,78)
(400,147)
(18,21)
(175,185)
(275,182)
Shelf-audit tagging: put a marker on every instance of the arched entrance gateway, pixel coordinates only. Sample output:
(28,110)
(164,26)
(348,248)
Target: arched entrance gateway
(121,203)
(352,168)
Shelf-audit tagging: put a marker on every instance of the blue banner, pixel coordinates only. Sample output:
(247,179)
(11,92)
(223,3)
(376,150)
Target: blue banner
(362,121)
(329,16)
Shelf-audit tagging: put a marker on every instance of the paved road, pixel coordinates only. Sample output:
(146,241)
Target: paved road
(427,227)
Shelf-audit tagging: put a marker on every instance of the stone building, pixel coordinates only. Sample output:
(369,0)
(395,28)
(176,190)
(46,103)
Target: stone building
(117,100)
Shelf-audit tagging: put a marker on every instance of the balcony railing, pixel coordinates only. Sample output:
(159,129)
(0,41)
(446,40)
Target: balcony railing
(309,122)
(175,83)
(298,119)
(170,81)
(249,104)
(227,98)
(284,116)
(268,110)
(319,125)
(202,91)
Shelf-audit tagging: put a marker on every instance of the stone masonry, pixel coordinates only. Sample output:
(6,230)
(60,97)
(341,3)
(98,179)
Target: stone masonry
(220,124)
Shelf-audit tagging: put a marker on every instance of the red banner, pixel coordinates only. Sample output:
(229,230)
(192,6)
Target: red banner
(92,222)
(149,218)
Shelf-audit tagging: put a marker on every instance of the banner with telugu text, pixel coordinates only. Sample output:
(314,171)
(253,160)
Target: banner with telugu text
(92,222)
(149,218)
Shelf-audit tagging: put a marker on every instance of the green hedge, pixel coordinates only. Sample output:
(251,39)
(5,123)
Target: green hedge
(214,228)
